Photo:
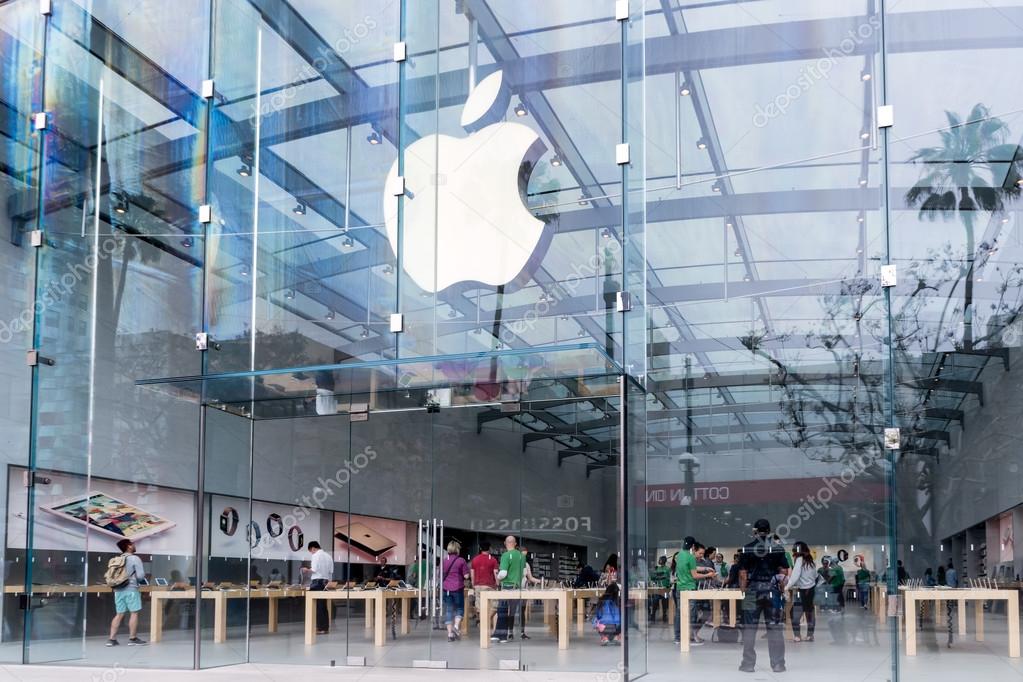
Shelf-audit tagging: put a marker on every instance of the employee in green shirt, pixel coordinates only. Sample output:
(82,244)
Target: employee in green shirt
(509,577)
(686,574)
(660,576)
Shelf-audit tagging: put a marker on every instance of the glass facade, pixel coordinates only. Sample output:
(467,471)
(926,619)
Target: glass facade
(598,277)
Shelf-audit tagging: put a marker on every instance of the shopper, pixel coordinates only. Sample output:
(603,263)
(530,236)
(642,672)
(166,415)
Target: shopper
(586,576)
(760,560)
(321,571)
(802,582)
(941,575)
(609,574)
(527,580)
(659,577)
(929,580)
(838,584)
(687,572)
(607,619)
(509,575)
(483,570)
(902,573)
(863,579)
(454,571)
(127,598)
(951,577)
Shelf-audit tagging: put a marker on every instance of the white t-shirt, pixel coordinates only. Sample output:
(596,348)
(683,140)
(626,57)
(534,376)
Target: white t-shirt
(322,565)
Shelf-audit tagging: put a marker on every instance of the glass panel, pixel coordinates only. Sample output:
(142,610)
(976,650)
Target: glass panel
(954,164)
(117,295)
(21,41)
(298,499)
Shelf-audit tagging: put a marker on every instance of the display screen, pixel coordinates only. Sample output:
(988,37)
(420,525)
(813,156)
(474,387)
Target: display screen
(112,515)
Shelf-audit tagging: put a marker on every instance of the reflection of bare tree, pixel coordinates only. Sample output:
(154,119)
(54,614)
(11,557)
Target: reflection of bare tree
(972,170)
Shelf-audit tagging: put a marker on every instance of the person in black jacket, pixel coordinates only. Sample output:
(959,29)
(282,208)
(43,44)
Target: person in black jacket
(759,562)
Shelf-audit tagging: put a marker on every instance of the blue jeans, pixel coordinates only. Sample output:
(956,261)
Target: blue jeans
(678,616)
(454,605)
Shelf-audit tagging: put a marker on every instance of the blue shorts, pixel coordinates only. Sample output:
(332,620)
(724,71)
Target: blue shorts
(127,600)
(454,605)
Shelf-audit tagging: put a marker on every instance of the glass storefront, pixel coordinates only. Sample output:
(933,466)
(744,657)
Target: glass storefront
(594,285)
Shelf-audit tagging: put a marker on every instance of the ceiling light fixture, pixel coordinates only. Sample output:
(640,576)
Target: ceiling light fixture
(299,209)
(289,294)
(520,109)
(865,135)
(330,315)
(685,90)
(863,182)
(120,203)
(373,138)
(187,242)
(244,170)
(865,76)
(716,187)
(701,143)
(556,161)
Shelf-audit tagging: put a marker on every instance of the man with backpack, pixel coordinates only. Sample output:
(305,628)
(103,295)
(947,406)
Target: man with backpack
(759,562)
(123,574)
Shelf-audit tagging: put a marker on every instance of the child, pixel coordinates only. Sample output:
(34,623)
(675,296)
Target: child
(607,620)
(778,594)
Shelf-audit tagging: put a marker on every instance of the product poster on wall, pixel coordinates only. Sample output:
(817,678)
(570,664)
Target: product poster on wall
(158,520)
(1006,553)
(274,532)
(372,540)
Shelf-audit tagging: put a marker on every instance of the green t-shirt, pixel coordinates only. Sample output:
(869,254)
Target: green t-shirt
(837,577)
(514,562)
(660,576)
(788,558)
(684,566)
(863,576)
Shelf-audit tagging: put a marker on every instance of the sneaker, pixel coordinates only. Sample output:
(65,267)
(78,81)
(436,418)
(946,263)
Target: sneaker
(809,638)
(603,642)
(135,641)
(696,642)
(451,638)
(780,668)
(524,636)
(511,637)
(495,638)
(502,641)
(112,642)
(747,669)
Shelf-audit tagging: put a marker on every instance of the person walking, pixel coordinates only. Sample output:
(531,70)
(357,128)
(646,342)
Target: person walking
(761,560)
(483,576)
(127,598)
(509,576)
(321,571)
(454,571)
(951,577)
(802,582)
(863,580)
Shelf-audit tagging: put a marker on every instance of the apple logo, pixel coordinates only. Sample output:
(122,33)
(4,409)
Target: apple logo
(464,215)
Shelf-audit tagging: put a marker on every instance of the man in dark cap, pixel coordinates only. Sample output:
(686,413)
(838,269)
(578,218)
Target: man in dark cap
(759,561)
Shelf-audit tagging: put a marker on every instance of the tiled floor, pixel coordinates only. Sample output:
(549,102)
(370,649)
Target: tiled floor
(845,651)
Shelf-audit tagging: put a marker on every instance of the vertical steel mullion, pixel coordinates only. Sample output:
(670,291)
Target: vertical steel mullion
(892,516)
(200,529)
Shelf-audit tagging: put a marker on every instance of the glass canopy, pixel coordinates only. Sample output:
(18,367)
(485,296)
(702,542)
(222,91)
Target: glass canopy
(451,380)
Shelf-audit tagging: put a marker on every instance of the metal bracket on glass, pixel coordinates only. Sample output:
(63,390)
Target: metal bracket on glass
(35,359)
(45,7)
(892,438)
(36,238)
(511,406)
(204,342)
(885,116)
(205,214)
(30,478)
(623,301)
(400,52)
(622,154)
(39,120)
(397,323)
(359,412)
(889,276)
(396,186)
(621,10)
(207,89)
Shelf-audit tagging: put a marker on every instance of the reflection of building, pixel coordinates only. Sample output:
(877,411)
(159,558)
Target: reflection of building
(684,331)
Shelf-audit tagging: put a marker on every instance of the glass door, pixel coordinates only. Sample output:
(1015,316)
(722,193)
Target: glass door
(389,541)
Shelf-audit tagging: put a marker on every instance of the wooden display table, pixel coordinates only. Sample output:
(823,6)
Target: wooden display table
(715,597)
(219,597)
(484,597)
(579,597)
(961,596)
(376,609)
(68,589)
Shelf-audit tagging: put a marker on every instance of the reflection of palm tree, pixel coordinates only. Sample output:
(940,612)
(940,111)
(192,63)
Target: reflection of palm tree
(973,170)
